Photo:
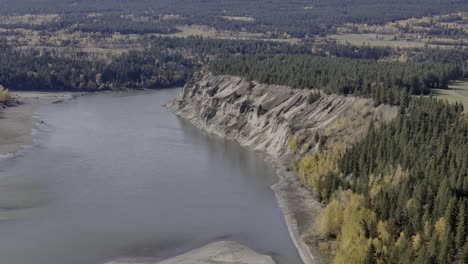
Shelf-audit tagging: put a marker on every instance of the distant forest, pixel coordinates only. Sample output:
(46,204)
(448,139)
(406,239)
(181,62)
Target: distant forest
(159,65)
(169,62)
(296,18)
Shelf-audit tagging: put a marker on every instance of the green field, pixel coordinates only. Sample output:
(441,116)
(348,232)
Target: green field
(458,92)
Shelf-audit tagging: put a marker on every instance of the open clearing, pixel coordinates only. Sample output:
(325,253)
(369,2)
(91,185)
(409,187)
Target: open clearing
(458,93)
(373,39)
(239,18)
(209,32)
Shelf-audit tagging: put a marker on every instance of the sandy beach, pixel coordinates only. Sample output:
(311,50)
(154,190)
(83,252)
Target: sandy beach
(18,121)
(221,252)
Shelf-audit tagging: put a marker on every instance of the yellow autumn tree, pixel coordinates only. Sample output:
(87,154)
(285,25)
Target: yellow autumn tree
(4,94)
(382,240)
(440,228)
(313,169)
(353,243)
(416,240)
(330,219)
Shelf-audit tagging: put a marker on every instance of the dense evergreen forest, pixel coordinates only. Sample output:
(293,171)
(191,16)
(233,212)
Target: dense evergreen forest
(161,64)
(400,194)
(46,71)
(386,82)
(169,62)
(295,18)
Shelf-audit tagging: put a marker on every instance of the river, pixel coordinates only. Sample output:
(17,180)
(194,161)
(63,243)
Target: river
(117,174)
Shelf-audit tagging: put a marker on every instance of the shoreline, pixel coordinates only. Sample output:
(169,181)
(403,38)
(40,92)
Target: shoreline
(286,180)
(19,120)
(287,185)
(17,124)
(293,200)
(263,118)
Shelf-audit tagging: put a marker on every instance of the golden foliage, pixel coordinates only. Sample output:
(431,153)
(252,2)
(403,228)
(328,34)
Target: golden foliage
(313,169)
(427,229)
(353,243)
(330,219)
(393,177)
(403,242)
(382,240)
(416,241)
(4,94)
(347,218)
(440,228)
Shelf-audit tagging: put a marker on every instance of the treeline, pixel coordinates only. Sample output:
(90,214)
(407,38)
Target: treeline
(386,82)
(45,70)
(165,62)
(108,23)
(222,48)
(116,23)
(274,17)
(333,49)
(446,56)
(400,194)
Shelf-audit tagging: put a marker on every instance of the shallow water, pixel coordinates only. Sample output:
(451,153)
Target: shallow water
(115,175)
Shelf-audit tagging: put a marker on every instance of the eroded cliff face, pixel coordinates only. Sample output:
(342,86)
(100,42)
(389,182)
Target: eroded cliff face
(268,117)
(285,123)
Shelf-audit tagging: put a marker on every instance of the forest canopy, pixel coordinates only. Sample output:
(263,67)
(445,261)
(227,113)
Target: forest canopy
(386,82)
(401,193)
(296,18)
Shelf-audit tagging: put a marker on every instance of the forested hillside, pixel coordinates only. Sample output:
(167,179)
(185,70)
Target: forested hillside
(400,195)
(386,82)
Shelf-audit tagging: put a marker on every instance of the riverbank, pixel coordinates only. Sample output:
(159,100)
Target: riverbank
(18,120)
(286,124)
(225,191)
(218,105)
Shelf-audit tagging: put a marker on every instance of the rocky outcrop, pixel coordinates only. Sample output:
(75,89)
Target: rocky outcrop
(264,116)
(283,122)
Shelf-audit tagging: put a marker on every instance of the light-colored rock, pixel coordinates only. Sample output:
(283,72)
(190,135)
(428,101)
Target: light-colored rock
(265,117)
(221,252)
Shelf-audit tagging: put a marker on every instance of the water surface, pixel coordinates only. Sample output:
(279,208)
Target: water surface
(115,175)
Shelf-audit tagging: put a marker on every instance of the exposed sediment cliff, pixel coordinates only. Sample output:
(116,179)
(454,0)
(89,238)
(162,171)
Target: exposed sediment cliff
(285,123)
